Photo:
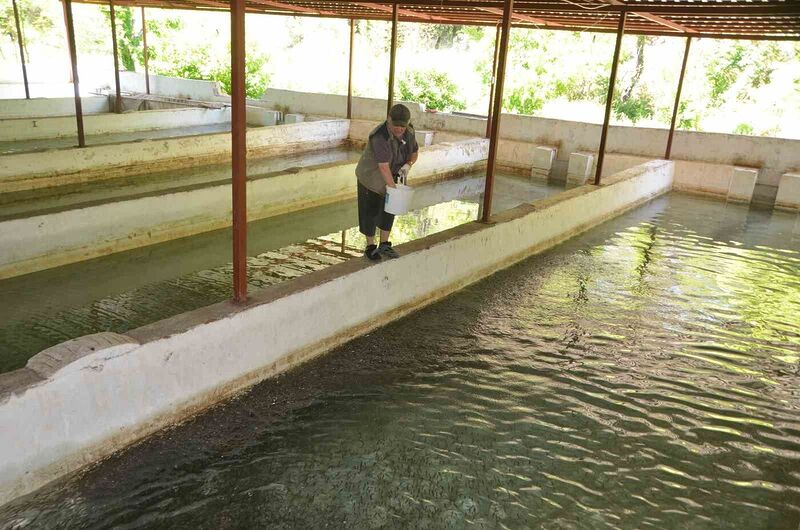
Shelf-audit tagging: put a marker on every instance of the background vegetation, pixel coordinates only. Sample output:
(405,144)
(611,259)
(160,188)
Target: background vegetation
(731,86)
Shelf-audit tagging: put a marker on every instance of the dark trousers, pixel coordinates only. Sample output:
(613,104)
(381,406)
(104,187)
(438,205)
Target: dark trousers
(370,212)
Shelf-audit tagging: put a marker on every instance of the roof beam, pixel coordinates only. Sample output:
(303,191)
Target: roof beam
(520,16)
(290,7)
(658,20)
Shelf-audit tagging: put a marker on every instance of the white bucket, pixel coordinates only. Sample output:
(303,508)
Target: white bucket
(398,199)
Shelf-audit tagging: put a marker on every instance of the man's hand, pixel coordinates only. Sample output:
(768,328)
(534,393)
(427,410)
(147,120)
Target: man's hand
(404,172)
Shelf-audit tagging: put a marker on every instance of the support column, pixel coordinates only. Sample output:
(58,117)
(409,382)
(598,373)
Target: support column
(494,136)
(146,53)
(64,9)
(492,82)
(73,56)
(677,99)
(350,71)
(118,99)
(21,50)
(239,152)
(392,54)
(609,99)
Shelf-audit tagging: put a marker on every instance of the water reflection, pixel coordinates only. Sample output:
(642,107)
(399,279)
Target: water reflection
(641,375)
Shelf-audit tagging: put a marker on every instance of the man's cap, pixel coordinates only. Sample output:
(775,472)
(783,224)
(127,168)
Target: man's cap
(400,115)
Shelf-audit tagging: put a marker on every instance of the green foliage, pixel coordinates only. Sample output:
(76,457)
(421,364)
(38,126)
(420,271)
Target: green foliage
(743,128)
(433,89)
(32,17)
(638,106)
(724,71)
(441,35)
(524,100)
(128,40)
(255,76)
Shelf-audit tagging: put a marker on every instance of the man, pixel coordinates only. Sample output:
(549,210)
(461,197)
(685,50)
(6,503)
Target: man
(390,152)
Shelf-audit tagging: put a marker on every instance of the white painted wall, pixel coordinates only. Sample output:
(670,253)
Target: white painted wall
(41,107)
(110,123)
(34,243)
(25,171)
(63,417)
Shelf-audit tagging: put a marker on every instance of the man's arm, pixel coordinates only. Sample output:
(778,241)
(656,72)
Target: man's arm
(387,174)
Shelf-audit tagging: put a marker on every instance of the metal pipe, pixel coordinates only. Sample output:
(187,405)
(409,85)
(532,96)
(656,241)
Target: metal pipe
(609,99)
(21,51)
(493,80)
(392,54)
(239,152)
(508,9)
(64,9)
(350,71)
(677,98)
(73,57)
(118,99)
(146,53)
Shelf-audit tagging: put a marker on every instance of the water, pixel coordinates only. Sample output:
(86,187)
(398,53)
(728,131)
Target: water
(642,375)
(131,289)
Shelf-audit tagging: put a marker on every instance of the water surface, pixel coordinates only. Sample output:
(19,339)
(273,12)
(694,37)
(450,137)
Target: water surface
(641,375)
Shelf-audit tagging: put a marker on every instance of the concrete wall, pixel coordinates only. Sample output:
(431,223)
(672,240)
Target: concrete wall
(59,127)
(82,400)
(26,171)
(40,107)
(774,156)
(170,86)
(34,243)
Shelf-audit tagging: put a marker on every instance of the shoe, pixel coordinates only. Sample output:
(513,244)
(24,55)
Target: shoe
(372,253)
(385,250)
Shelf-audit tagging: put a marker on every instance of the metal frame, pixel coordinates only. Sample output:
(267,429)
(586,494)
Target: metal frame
(668,152)
(498,105)
(239,152)
(21,50)
(392,57)
(118,97)
(610,98)
(350,70)
(493,82)
(73,57)
(145,54)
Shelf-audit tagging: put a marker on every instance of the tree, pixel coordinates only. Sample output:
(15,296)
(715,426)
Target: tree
(31,16)
(128,40)
(433,89)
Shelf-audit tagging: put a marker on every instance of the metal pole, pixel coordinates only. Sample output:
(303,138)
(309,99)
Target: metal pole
(677,99)
(494,136)
(146,53)
(493,80)
(602,152)
(393,53)
(350,71)
(21,51)
(73,56)
(64,8)
(118,100)
(239,152)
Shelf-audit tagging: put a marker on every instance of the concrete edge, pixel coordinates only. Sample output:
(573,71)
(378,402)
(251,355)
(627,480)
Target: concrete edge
(170,328)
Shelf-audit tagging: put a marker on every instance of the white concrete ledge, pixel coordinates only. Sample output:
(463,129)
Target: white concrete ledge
(743,182)
(20,129)
(788,192)
(39,242)
(57,167)
(41,107)
(52,426)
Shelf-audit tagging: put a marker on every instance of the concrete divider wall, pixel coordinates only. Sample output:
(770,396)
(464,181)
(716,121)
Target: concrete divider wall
(110,123)
(774,156)
(40,107)
(44,241)
(56,167)
(81,401)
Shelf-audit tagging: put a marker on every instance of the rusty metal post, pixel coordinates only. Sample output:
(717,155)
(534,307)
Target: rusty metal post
(609,100)
(239,152)
(21,51)
(73,57)
(493,81)
(494,136)
(350,71)
(64,9)
(677,99)
(146,53)
(392,54)
(118,99)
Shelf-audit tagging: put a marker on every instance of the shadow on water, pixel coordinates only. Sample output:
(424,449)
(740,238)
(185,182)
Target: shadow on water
(643,374)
